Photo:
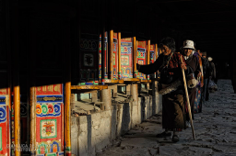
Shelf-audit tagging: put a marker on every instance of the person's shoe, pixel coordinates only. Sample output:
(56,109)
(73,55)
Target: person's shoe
(175,138)
(163,134)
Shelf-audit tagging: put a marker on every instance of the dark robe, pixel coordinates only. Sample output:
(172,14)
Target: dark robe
(193,62)
(173,109)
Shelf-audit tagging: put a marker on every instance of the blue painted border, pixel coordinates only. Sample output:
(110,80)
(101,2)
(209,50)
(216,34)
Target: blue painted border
(60,97)
(2,100)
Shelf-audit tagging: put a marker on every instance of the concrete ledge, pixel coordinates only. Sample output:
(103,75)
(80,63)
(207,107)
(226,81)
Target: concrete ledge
(92,133)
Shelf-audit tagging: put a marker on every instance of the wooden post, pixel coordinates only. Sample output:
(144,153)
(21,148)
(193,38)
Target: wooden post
(134,51)
(16,100)
(119,55)
(106,98)
(156,56)
(134,93)
(156,51)
(148,51)
(67,118)
(148,60)
(32,121)
(16,84)
(111,54)
(128,89)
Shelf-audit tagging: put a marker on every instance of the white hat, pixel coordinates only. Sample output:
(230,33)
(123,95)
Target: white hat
(188,44)
(210,59)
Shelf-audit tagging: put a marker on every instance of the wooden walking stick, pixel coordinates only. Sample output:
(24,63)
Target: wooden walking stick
(187,97)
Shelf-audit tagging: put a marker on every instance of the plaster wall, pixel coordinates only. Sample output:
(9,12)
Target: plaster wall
(92,133)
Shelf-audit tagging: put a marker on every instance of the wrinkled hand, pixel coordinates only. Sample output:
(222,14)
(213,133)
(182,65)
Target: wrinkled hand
(199,74)
(201,85)
(183,66)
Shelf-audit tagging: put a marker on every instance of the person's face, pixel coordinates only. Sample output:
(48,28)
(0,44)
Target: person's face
(198,51)
(204,56)
(165,50)
(187,52)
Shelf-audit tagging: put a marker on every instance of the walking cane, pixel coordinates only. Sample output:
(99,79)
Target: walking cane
(187,97)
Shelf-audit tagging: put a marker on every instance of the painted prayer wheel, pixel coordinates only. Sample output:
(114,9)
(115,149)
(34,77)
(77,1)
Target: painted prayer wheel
(105,57)
(126,59)
(5,121)
(49,119)
(115,56)
(47,31)
(153,57)
(110,56)
(141,58)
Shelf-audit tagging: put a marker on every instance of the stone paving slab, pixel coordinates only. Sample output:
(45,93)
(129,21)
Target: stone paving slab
(215,130)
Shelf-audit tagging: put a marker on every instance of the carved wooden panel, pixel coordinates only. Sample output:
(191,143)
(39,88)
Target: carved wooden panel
(49,119)
(142,57)
(4,122)
(126,58)
(88,47)
(105,57)
(115,56)
(153,58)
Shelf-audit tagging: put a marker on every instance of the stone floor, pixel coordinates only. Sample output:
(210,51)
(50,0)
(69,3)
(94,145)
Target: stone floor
(215,130)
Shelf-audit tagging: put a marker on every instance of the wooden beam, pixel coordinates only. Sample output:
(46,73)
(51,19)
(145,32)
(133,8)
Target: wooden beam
(148,55)
(16,101)
(112,81)
(32,120)
(148,51)
(156,50)
(92,87)
(67,118)
(131,80)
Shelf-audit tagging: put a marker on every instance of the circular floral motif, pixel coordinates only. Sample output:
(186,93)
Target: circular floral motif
(44,109)
(57,108)
(50,108)
(38,109)
(3,114)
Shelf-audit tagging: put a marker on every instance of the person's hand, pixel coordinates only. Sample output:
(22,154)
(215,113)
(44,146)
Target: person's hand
(199,74)
(183,66)
(201,85)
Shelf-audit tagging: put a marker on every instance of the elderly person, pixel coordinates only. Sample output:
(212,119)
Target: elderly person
(193,62)
(199,87)
(169,63)
(206,73)
(213,68)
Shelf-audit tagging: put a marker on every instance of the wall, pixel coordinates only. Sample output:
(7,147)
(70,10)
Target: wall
(91,133)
